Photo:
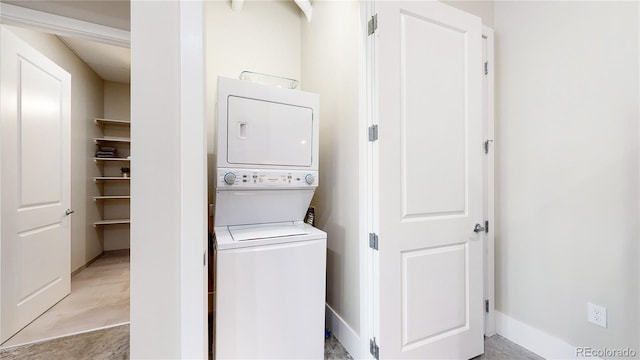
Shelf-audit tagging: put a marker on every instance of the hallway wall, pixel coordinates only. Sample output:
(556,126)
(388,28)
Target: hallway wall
(567,186)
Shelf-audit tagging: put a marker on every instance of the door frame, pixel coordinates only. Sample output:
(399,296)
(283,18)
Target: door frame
(369,259)
(489,186)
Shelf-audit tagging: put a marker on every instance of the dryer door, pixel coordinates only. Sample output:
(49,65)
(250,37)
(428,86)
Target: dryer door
(267,133)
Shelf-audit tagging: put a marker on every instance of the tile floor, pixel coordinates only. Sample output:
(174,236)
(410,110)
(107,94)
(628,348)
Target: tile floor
(106,344)
(99,298)
(333,350)
(113,343)
(499,348)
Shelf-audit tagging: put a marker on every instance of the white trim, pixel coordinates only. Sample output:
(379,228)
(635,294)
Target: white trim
(63,26)
(489,189)
(373,261)
(638,79)
(343,332)
(534,340)
(365,166)
(193,183)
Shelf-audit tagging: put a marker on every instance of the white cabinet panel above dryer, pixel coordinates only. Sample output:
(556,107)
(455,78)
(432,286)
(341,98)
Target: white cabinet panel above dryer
(267,133)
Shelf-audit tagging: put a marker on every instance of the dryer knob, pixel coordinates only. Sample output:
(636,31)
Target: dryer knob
(229,178)
(309,179)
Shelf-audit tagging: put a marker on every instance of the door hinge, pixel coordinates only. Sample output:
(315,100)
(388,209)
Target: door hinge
(374,349)
(373,132)
(486,68)
(486,306)
(372,25)
(373,241)
(486,146)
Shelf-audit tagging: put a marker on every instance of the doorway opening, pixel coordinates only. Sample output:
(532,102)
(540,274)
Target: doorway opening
(99,181)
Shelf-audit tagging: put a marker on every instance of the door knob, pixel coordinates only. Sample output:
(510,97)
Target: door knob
(69,212)
(479,228)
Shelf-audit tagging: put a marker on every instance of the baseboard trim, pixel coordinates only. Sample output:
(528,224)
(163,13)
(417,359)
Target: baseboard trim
(534,340)
(343,332)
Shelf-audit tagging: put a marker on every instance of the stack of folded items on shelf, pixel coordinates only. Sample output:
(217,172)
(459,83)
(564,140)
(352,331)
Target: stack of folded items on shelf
(107,152)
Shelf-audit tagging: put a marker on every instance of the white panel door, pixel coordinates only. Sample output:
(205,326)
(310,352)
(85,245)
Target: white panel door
(35,184)
(429,69)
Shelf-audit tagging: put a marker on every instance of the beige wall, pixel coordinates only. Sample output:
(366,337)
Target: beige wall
(116,106)
(86,103)
(263,37)
(567,212)
(117,101)
(331,49)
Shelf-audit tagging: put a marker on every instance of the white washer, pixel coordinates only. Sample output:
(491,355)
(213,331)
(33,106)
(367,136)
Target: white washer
(270,292)
(270,265)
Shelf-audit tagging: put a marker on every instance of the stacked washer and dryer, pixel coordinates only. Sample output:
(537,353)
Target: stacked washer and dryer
(270,265)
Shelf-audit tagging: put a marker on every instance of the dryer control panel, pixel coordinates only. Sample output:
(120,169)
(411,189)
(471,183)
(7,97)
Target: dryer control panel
(253,178)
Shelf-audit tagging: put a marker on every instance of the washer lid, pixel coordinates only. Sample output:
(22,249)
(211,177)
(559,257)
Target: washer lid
(266,231)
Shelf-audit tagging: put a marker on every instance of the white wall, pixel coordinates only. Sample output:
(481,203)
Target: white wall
(117,105)
(168,277)
(263,37)
(86,103)
(567,168)
(332,53)
(155,213)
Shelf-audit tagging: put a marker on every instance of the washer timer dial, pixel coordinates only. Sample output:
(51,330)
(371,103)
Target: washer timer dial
(309,179)
(229,178)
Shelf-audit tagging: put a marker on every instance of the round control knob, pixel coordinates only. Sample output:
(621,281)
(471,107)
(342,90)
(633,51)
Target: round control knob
(229,178)
(309,179)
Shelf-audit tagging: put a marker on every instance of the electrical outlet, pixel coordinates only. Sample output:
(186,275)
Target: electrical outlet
(597,314)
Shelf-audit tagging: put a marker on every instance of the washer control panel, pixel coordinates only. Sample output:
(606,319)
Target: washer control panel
(246,178)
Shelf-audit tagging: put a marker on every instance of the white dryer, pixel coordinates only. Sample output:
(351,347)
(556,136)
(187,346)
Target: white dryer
(270,265)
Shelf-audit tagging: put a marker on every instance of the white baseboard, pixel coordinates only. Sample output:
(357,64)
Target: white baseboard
(534,340)
(343,332)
